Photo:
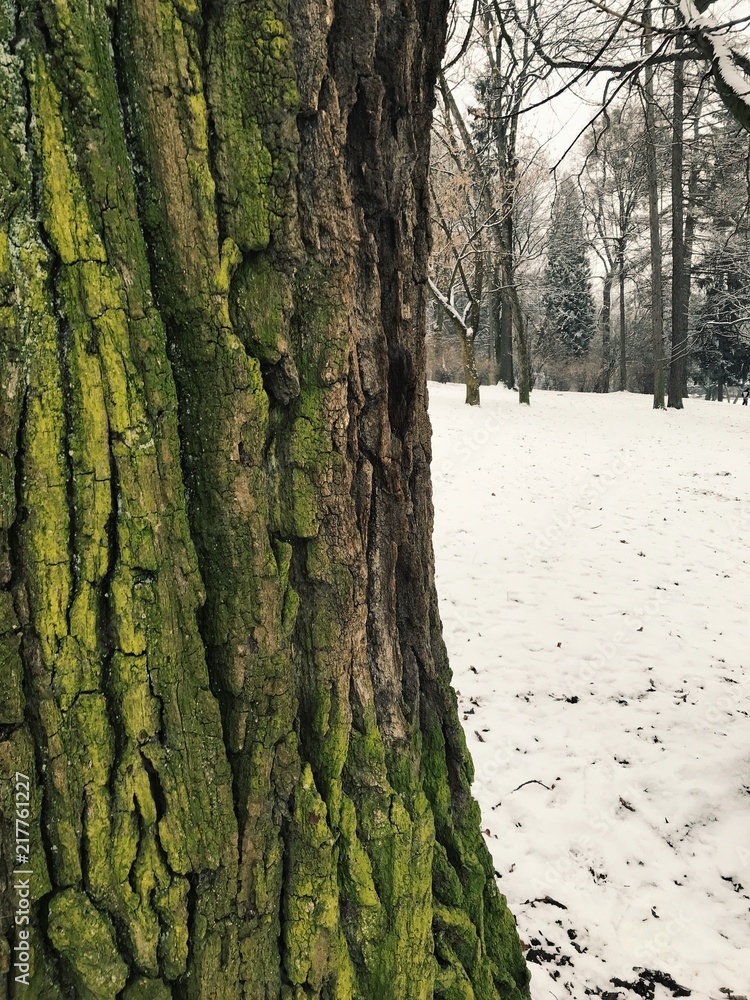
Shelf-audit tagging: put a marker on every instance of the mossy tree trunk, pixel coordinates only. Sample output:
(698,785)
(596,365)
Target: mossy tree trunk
(221,659)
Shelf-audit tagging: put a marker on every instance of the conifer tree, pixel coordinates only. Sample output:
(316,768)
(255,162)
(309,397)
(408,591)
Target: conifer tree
(568,323)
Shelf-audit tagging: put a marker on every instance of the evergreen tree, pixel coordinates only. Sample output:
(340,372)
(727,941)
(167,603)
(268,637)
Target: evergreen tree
(722,336)
(568,324)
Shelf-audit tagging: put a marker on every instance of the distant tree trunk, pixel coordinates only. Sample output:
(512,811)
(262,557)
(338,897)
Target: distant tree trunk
(657,308)
(466,336)
(468,354)
(494,312)
(500,325)
(471,376)
(605,322)
(679,295)
(507,376)
(500,236)
(623,331)
(690,225)
(522,349)
(221,660)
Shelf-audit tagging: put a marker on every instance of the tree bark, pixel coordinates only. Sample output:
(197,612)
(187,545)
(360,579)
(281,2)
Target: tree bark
(690,227)
(221,660)
(679,296)
(622,339)
(657,308)
(507,376)
(605,322)
(471,376)
(494,319)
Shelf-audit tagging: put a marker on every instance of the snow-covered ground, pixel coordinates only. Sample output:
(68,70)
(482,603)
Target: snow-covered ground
(593,566)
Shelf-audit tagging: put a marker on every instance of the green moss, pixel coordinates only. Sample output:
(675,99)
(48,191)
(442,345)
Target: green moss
(250,607)
(90,746)
(311,898)
(116,622)
(147,875)
(171,904)
(356,869)
(17,755)
(64,202)
(137,790)
(11,668)
(85,939)
(261,305)
(147,989)
(253,99)
(456,928)
(475,934)
(445,881)
(320,326)
(451,982)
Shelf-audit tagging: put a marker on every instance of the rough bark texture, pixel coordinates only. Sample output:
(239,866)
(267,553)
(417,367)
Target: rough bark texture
(220,653)
(471,377)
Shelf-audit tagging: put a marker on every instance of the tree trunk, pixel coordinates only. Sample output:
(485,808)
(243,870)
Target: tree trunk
(690,226)
(657,309)
(221,661)
(499,235)
(494,317)
(679,298)
(507,376)
(622,339)
(522,349)
(606,326)
(471,376)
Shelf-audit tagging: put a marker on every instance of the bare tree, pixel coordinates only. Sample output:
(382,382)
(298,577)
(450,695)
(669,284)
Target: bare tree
(612,184)
(592,37)
(460,258)
(657,305)
(492,211)
(512,70)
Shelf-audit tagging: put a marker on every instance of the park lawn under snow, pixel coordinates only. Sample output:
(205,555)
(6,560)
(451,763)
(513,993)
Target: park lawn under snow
(593,567)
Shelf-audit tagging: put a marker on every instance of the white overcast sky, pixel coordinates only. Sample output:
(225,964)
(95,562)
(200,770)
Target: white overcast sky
(556,124)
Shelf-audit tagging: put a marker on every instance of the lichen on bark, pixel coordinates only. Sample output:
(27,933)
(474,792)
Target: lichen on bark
(219,642)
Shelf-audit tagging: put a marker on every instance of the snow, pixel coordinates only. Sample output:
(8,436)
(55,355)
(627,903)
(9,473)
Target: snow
(723,51)
(593,567)
(450,308)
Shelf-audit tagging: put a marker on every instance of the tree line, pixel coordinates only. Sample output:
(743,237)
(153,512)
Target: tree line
(624,263)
